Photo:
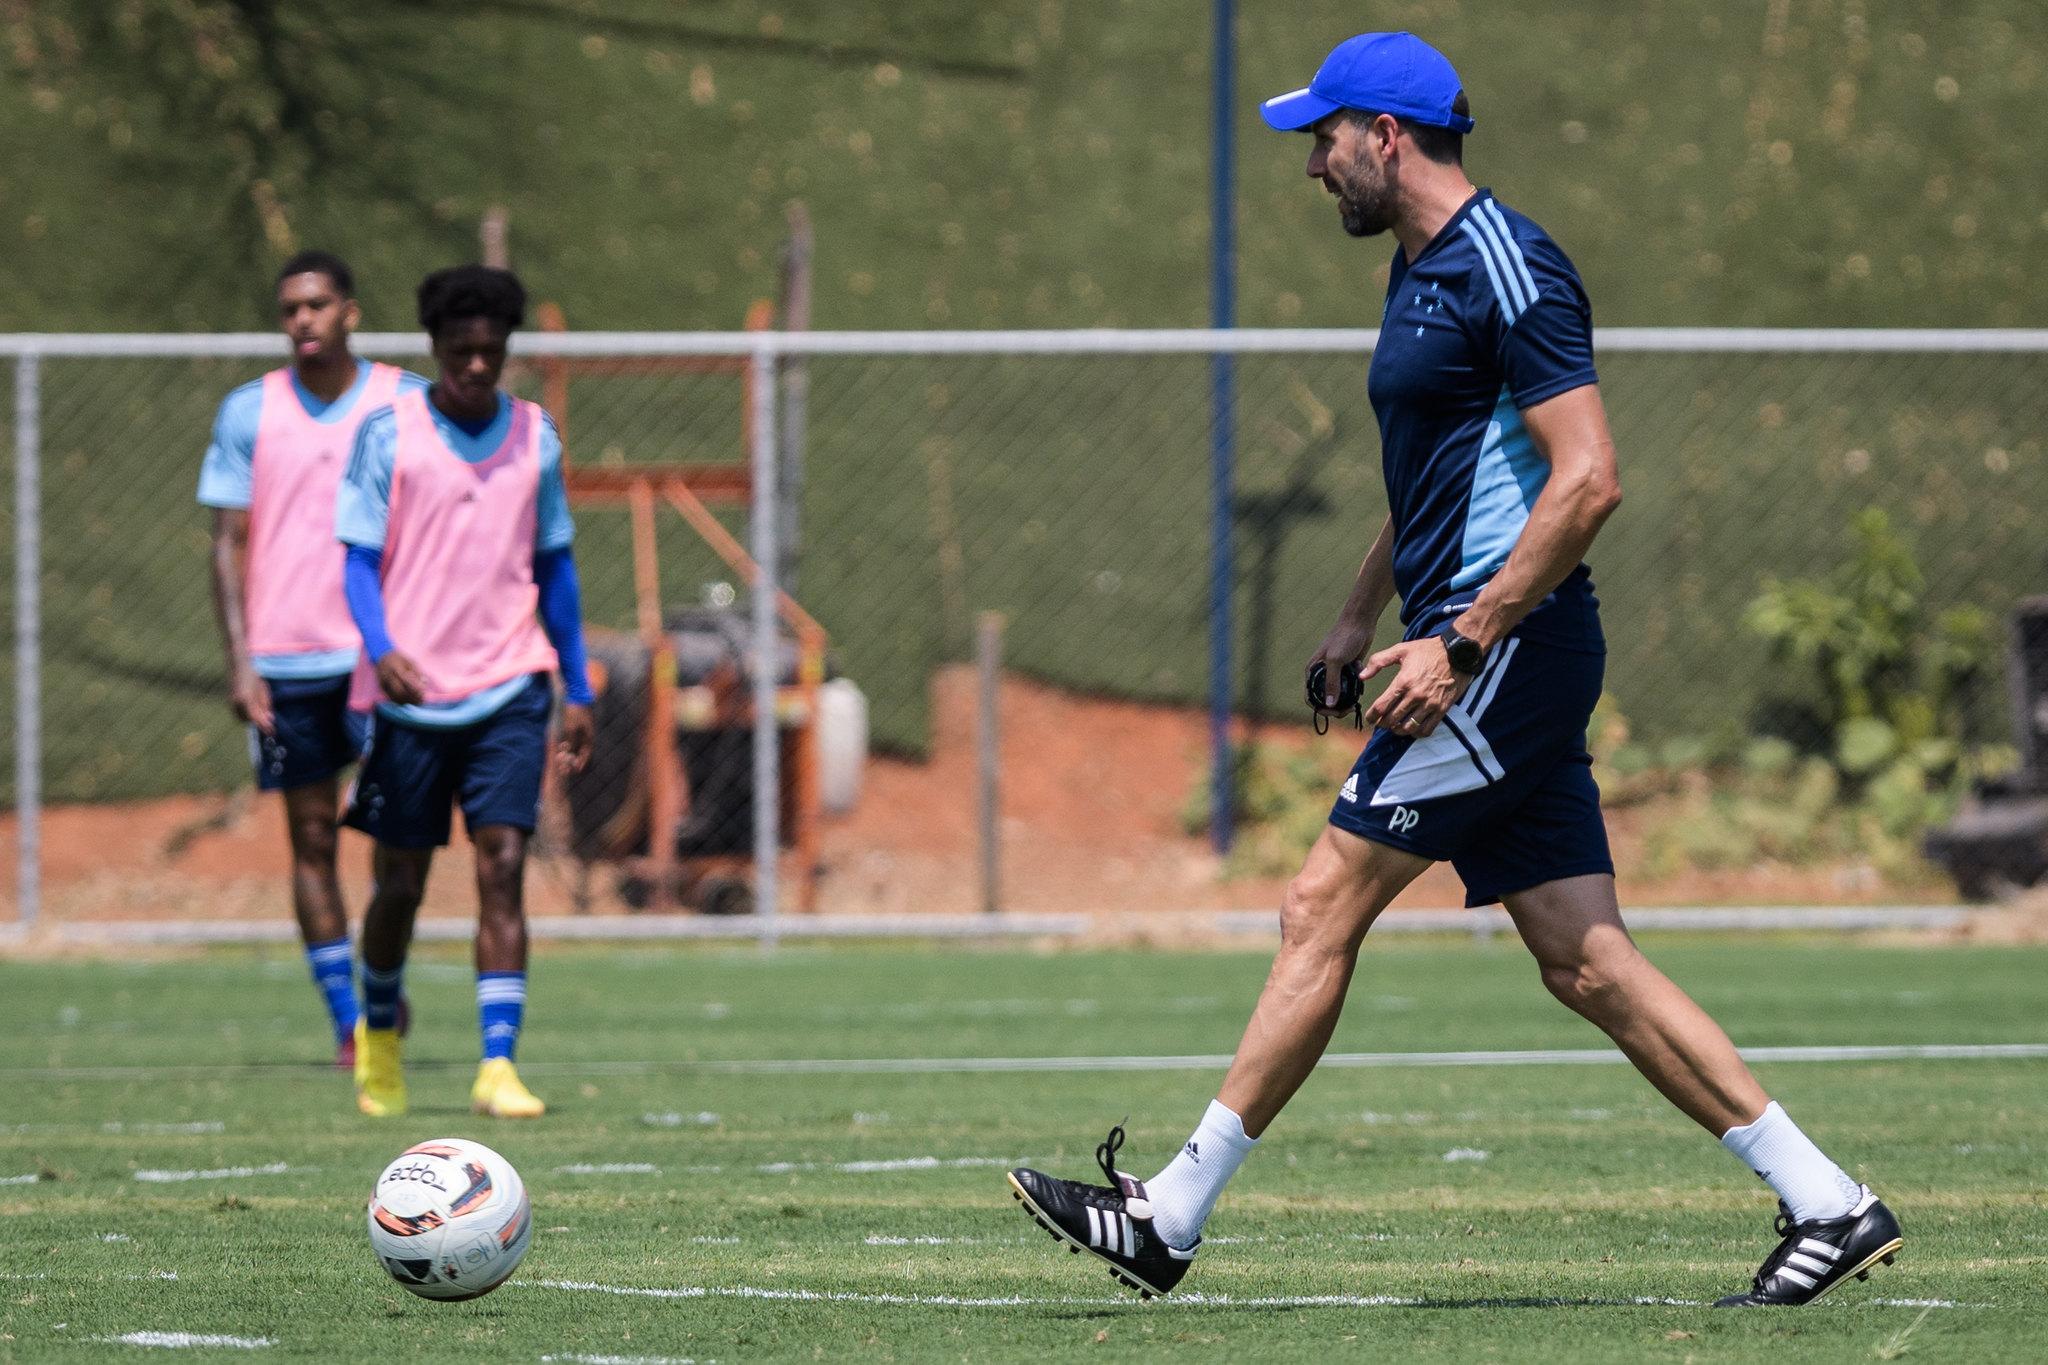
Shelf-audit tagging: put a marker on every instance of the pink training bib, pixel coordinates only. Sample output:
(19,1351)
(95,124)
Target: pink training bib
(459,596)
(292,586)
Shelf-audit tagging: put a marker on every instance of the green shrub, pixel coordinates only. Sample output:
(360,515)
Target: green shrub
(1885,678)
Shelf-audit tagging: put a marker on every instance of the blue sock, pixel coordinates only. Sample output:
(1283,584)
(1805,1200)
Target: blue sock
(381,992)
(500,1008)
(333,973)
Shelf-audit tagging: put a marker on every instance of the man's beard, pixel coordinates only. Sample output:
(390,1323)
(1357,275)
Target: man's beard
(1366,206)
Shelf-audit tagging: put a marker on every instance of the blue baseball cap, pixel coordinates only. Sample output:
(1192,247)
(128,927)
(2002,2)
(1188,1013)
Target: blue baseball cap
(1381,73)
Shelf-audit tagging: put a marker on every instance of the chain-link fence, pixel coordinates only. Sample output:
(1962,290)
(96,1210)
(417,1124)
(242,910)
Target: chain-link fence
(1059,481)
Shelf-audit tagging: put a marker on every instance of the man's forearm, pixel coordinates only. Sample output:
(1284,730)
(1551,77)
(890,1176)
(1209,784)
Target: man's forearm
(1567,516)
(1374,586)
(229,553)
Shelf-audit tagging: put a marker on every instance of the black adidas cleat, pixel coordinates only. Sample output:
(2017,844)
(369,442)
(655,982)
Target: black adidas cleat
(1112,1223)
(1817,1256)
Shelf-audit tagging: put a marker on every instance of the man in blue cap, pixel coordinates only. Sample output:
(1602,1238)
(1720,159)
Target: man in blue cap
(1500,471)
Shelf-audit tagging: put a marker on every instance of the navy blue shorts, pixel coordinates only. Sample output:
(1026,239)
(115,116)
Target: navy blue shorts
(413,776)
(313,735)
(1503,790)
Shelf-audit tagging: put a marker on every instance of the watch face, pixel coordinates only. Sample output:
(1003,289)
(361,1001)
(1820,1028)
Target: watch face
(1465,655)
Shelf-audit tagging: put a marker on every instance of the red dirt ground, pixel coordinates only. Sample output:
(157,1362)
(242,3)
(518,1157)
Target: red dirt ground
(1091,800)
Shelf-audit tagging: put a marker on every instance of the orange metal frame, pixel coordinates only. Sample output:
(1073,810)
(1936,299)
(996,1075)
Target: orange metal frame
(689,489)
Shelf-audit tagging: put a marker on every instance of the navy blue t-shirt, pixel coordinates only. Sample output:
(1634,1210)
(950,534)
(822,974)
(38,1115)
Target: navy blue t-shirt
(1488,319)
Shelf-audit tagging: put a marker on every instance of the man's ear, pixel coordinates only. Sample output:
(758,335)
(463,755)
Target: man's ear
(1387,129)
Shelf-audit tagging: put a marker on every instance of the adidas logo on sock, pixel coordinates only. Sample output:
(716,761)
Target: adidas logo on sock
(1194,1151)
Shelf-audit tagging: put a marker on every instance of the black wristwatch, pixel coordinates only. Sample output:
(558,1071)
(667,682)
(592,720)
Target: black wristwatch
(1466,656)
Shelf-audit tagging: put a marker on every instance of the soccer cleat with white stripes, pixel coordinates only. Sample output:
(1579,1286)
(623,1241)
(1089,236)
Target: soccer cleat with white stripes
(1112,1223)
(1818,1255)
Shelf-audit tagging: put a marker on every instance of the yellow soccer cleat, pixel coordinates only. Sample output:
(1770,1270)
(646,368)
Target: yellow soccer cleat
(380,1076)
(500,1093)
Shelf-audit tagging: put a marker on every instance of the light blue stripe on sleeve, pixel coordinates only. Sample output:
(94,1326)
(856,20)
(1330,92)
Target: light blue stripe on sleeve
(362,506)
(1514,248)
(1500,254)
(1506,296)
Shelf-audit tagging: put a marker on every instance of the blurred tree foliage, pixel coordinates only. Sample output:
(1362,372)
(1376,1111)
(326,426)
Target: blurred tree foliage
(1033,163)
(248,96)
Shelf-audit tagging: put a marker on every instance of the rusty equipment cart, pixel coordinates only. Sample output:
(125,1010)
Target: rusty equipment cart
(667,798)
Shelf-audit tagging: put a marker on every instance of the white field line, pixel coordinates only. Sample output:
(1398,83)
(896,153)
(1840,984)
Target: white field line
(1215,1061)
(1265,923)
(610,1168)
(220,1173)
(1061,1301)
(117,1128)
(621,1360)
(176,1340)
(769,1066)
(905,1163)
(29,1179)
(900,1163)
(878,1239)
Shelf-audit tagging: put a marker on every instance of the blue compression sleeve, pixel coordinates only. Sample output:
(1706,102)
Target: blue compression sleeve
(360,581)
(561,615)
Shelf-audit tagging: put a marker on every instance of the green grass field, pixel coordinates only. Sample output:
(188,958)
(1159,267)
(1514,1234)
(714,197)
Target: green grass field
(202,1172)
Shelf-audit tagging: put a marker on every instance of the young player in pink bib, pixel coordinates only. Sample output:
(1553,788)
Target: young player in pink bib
(279,446)
(457,524)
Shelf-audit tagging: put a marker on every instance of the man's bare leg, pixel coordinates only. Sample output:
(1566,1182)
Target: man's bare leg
(309,813)
(1573,928)
(1341,889)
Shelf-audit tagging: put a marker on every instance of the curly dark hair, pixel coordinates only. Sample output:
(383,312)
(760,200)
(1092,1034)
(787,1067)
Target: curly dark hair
(321,263)
(471,291)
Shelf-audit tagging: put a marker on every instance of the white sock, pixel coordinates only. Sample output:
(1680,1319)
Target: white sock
(1186,1190)
(1811,1185)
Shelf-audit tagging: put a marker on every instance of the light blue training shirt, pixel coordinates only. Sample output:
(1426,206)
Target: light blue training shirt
(362,514)
(227,478)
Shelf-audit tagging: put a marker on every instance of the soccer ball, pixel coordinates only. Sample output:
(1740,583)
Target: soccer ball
(450,1219)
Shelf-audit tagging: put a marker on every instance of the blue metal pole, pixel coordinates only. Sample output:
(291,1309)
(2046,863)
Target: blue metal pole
(1222,420)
